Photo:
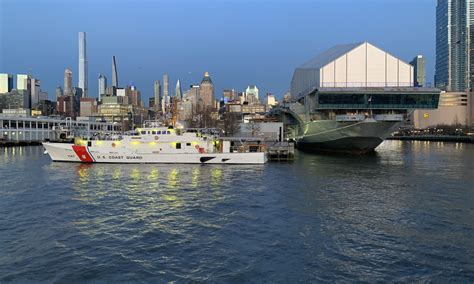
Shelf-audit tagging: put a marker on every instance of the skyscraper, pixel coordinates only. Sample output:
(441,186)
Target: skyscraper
(23,82)
(83,64)
(251,94)
(165,101)
(419,75)
(76,100)
(6,83)
(192,94)
(470,65)
(271,101)
(114,73)
(151,103)
(454,44)
(229,95)
(206,90)
(35,91)
(178,92)
(102,86)
(23,85)
(68,82)
(59,92)
(157,93)
(135,97)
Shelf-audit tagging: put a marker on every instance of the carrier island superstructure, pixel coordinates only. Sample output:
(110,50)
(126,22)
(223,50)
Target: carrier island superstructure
(350,98)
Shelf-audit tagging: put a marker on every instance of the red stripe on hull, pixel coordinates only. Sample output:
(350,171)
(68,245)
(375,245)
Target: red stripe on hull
(82,154)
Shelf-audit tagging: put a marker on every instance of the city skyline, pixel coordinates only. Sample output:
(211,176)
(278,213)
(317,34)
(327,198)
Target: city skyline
(257,53)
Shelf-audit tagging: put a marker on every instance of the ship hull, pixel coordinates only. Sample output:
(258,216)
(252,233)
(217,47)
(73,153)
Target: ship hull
(62,152)
(344,137)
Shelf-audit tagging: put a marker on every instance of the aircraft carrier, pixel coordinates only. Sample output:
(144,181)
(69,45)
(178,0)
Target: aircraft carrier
(350,98)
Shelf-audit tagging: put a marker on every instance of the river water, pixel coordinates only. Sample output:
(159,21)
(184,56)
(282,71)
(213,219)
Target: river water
(405,214)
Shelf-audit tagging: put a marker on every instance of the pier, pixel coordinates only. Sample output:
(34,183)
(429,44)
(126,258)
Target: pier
(277,151)
(280,151)
(34,130)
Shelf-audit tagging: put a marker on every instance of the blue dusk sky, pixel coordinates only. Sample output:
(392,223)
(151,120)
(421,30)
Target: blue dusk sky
(238,42)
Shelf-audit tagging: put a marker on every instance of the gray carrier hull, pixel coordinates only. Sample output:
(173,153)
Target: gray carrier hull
(345,137)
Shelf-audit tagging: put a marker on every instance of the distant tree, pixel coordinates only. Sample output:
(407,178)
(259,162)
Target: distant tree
(231,123)
(253,128)
(201,117)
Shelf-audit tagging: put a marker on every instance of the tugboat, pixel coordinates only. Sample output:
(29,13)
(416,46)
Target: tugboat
(158,145)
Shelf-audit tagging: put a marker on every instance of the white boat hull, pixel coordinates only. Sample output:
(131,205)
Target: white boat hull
(62,152)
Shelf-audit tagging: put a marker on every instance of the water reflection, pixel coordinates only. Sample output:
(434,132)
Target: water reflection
(154,175)
(83,172)
(173,178)
(149,193)
(16,154)
(216,176)
(195,177)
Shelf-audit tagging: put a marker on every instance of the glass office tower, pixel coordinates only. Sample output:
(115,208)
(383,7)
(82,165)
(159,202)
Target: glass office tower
(454,56)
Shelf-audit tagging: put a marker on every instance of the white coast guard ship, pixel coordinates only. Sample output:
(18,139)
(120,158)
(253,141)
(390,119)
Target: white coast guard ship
(157,145)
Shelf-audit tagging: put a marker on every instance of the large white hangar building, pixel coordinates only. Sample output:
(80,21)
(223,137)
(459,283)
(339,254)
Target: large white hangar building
(352,65)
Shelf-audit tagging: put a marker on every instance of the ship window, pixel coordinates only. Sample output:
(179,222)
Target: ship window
(178,145)
(188,144)
(153,132)
(143,132)
(167,132)
(158,132)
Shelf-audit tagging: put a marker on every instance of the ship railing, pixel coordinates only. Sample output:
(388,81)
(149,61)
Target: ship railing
(116,136)
(153,123)
(209,132)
